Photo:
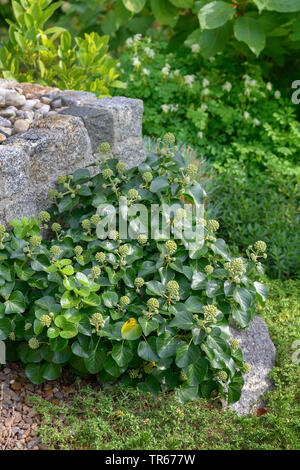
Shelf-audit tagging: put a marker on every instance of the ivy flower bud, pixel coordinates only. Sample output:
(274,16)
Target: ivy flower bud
(27,326)
(56,227)
(208,269)
(96,271)
(104,147)
(147,177)
(86,224)
(12,336)
(235,267)
(222,376)
(191,170)
(97,321)
(61,179)
(142,239)
(234,344)
(44,217)
(35,241)
(121,167)
(210,312)
(148,368)
(2,229)
(33,343)
(100,257)
(124,301)
(46,320)
(171,246)
(172,288)
(133,194)
(107,173)
(169,138)
(139,282)
(113,235)
(183,375)
(55,250)
(133,373)
(213,225)
(95,219)
(123,250)
(78,250)
(260,246)
(246,368)
(153,304)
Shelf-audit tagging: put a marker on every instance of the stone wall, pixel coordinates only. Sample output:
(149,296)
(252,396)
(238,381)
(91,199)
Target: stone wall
(63,142)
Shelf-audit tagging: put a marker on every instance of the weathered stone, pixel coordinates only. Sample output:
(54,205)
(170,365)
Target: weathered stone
(2,139)
(4,83)
(21,125)
(13,98)
(5,122)
(30,104)
(260,352)
(7,131)
(33,90)
(31,161)
(2,96)
(115,120)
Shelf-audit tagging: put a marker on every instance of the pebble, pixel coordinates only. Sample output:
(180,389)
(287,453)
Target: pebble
(2,137)
(30,104)
(8,112)
(13,98)
(5,122)
(21,125)
(6,130)
(56,103)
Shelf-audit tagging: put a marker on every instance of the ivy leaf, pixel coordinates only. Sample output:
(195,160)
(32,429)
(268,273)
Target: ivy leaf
(196,371)
(122,354)
(131,330)
(243,298)
(135,6)
(110,299)
(187,393)
(159,184)
(165,13)
(186,354)
(51,371)
(34,373)
(183,320)
(262,291)
(16,303)
(146,352)
(95,361)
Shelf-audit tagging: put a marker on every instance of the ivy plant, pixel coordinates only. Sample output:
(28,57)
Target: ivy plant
(148,311)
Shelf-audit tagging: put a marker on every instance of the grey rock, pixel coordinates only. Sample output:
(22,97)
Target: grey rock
(5,122)
(57,103)
(115,120)
(260,352)
(30,104)
(4,83)
(21,125)
(9,112)
(75,98)
(61,143)
(13,98)
(2,96)
(7,130)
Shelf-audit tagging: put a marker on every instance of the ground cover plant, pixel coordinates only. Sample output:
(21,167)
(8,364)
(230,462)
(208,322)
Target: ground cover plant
(123,418)
(222,106)
(155,308)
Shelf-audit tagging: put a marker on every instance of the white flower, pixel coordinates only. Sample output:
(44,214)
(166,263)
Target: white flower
(195,48)
(246,77)
(205,92)
(204,107)
(136,61)
(118,64)
(246,115)
(129,42)
(212,59)
(269,86)
(189,80)
(253,83)
(137,37)
(173,107)
(165,108)
(205,82)
(277,94)
(247,92)
(166,69)
(145,71)
(200,135)
(256,122)
(227,86)
(176,72)
(149,52)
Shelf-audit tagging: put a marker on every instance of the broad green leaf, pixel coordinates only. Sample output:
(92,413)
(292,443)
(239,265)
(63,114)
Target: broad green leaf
(243,298)
(187,393)
(150,385)
(183,320)
(282,6)
(186,354)
(5,328)
(69,331)
(146,352)
(220,248)
(250,31)
(122,354)
(110,299)
(135,6)
(261,290)
(215,14)
(16,303)
(95,361)
(159,184)
(166,345)
(155,287)
(193,304)
(165,13)
(241,317)
(196,371)
(34,373)
(182,3)
(51,371)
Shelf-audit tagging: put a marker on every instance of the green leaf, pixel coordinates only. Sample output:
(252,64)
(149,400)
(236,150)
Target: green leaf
(146,352)
(282,6)
(16,303)
(182,3)
(69,331)
(112,367)
(51,371)
(122,354)
(243,298)
(5,328)
(34,373)
(93,300)
(159,184)
(79,350)
(183,320)
(110,299)
(196,371)
(135,6)
(186,354)
(198,280)
(95,361)
(261,290)
(250,31)
(215,14)
(165,13)
(166,345)
(187,393)
(241,317)
(220,248)
(193,304)
(155,287)
(150,385)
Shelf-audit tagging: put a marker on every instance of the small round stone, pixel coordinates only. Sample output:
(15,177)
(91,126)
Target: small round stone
(21,125)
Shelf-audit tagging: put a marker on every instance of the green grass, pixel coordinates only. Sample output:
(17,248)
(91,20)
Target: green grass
(117,418)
